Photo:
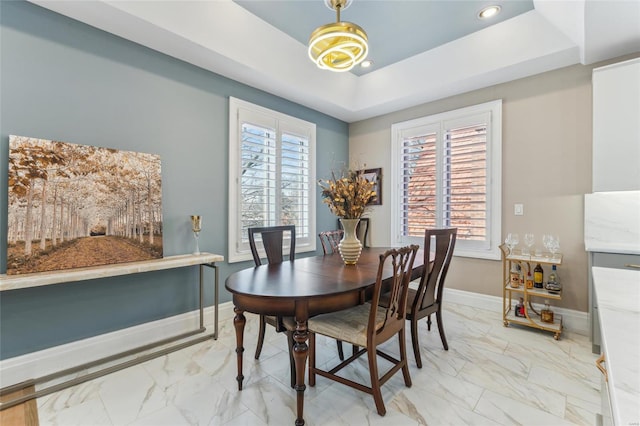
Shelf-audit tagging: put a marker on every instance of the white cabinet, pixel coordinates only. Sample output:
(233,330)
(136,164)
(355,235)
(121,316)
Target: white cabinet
(616,127)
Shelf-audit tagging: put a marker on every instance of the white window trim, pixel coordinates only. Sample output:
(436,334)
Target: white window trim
(494,163)
(236,252)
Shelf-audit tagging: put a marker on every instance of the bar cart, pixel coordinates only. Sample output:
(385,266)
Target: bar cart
(531,317)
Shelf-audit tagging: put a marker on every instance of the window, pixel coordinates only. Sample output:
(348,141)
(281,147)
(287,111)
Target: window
(446,172)
(271,175)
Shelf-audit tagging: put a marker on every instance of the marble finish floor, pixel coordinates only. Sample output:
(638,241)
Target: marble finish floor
(491,375)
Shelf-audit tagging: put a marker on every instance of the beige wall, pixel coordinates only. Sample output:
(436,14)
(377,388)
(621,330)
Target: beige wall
(546,165)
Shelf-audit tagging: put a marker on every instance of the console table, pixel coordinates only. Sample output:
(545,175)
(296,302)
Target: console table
(16,282)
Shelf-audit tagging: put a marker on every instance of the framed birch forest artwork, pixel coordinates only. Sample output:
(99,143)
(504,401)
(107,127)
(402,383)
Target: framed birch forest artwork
(74,206)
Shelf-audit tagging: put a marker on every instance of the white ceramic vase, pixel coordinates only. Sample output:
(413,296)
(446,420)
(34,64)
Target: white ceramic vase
(350,246)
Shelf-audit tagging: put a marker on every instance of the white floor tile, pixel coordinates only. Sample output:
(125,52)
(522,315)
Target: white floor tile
(491,375)
(508,411)
(89,412)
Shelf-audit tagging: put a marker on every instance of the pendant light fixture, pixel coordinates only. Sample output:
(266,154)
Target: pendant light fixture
(338,46)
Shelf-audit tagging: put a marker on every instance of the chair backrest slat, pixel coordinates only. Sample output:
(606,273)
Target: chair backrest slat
(330,240)
(432,281)
(272,241)
(401,263)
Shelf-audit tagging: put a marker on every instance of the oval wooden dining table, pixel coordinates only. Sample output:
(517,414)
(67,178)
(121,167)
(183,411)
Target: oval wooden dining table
(301,289)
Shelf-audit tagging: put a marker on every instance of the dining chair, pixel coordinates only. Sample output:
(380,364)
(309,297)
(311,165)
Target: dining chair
(427,299)
(273,243)
(368,325)
(362,230)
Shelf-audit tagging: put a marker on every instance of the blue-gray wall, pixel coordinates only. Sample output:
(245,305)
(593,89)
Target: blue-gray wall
(64,80)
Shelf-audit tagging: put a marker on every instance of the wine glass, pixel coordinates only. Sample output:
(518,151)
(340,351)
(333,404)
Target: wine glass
(511,241)
(554,245)
(546,240)
(196,223)
(528,241)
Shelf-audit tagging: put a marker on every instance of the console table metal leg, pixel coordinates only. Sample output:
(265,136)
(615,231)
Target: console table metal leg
(201,298)
(125,364)
(216,296)
(216,303)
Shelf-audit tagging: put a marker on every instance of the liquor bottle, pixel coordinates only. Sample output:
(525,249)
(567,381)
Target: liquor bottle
(538,276)
(553,283)
(519,310)
(515,275)
(546,314)
(529,282)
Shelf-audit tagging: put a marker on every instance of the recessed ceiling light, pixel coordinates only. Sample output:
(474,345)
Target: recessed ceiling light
(489,11)
(366,63)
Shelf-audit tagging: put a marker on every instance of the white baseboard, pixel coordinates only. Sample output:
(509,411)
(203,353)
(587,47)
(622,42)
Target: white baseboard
(48,361)
(41,363)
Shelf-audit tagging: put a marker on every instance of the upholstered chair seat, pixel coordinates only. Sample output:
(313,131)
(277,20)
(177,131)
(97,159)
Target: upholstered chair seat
(349,326)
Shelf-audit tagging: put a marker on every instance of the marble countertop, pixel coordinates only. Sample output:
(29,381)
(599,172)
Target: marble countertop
(618,298)
(612,222)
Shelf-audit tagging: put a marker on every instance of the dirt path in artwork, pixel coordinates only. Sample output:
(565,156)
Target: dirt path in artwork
(91,251)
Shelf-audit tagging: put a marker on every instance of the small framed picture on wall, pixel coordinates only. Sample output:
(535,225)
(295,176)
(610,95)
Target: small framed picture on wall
(375,176)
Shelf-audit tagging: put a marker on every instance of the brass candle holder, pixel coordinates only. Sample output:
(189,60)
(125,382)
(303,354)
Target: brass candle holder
(196,226)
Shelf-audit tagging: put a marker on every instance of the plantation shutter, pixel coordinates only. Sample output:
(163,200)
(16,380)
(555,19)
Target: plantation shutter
(444,178)
(418,181)
(295,182)
(275,175)
(446,172)
(464,180)
(259,174)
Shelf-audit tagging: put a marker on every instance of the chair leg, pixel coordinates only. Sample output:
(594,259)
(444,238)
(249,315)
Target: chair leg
(403,358)
(441,330)
(340,350)
(263,326)
(429,323)
(414,340)
(292,362)
(375,380)
(312,358)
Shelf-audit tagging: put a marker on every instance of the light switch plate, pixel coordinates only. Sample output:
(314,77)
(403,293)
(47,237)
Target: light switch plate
(518,209)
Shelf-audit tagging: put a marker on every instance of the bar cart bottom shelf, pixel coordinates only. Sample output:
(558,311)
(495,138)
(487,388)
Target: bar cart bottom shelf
(554,327)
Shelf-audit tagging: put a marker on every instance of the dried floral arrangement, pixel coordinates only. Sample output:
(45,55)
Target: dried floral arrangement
(348,195)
